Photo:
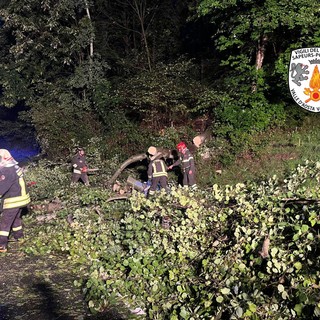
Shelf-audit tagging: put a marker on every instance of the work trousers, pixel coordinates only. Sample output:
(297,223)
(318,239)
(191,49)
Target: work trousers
(10,219)
(189,179)
(163,181)
(76,177)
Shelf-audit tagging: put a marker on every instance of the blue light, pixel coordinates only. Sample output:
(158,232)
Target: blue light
(20,153)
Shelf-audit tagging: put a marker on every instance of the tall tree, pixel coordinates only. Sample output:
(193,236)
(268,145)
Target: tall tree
(247,31)
(254,39)
(134,35)
(49,64)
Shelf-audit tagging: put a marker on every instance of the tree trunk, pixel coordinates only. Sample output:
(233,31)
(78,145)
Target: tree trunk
(201,138)
(166,153)
(135,158)
(260,52)
(153,151)
(260,56)
(91,39)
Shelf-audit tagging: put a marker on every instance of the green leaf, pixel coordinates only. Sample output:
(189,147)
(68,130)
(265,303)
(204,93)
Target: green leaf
(219,299)
(239,312)
(298,265)
(252,307)
(225,291)
(298,309)
(183,313)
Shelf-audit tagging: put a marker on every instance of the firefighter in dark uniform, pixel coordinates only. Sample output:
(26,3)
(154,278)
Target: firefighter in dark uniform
(79,168)
(157,173)
(187,165)
(14,196)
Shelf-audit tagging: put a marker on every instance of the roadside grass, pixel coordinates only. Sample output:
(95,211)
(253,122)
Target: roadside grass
(276,152)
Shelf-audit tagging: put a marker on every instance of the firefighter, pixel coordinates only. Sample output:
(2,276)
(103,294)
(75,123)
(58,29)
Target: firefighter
(80,168)
(157,173)
(14,197)
(187,165)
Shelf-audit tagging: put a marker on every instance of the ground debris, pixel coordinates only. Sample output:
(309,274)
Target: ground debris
(38,288)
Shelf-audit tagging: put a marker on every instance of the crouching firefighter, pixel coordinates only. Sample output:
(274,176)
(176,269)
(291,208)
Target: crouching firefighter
(157,173)
(14,196)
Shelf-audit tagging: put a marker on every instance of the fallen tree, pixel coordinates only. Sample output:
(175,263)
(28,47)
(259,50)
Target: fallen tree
(152,152)
(132,159)
(166,153)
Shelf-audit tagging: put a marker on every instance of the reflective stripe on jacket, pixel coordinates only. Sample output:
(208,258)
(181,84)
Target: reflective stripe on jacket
(186,160)
(157,168)
(13,188)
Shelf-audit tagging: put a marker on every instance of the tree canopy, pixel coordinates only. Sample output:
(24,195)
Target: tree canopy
(80,66)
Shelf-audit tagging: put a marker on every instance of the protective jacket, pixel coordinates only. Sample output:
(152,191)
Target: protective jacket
(157,173)
(186,161)
(13,189)
(157,168)
(187,167)
(80,169)
(14,196)
(79,164)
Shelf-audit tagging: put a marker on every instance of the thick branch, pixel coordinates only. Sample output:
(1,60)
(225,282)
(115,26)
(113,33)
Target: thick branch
(135,158)
(202,138)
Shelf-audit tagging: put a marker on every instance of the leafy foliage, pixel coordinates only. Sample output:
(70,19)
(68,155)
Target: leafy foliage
(208,263)
(162,97)
(48,66)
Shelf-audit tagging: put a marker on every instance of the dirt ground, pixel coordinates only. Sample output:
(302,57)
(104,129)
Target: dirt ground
(39,288)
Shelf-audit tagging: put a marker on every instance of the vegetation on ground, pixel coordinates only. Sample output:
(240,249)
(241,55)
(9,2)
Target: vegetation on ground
(231,249)
(116,77)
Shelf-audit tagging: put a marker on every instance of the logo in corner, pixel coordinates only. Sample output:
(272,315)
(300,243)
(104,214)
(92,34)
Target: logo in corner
(304,78)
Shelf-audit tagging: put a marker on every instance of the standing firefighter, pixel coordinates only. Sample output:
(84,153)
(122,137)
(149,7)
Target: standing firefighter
(80,168)
(157,173)
(187,165)
(14,196)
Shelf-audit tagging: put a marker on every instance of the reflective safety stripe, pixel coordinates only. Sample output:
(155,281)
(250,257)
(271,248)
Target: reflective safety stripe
(4,233)
(17,228)
(162,172)
(19,201)
(187,160)
(76,171)
(16,202)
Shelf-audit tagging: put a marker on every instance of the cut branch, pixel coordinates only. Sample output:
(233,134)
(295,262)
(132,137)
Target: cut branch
(264,253)
(202,138)
(135,158)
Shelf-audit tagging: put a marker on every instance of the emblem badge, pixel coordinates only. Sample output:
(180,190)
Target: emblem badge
(304,78)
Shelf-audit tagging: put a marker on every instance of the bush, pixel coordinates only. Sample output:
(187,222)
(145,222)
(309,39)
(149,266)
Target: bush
(210,258)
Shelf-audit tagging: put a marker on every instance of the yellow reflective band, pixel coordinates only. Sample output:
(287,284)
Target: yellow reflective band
(162,172)
(16,202)
(187,160)
(20,201)
(4,233)
(17,228)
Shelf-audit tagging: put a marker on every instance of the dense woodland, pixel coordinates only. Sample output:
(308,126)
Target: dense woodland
(133,71)
(117,77)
